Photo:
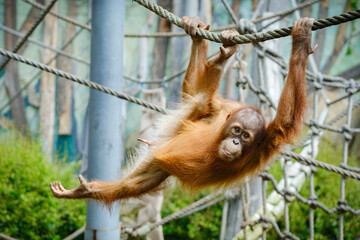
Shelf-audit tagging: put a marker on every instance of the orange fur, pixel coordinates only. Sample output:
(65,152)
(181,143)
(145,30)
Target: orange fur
(187,146)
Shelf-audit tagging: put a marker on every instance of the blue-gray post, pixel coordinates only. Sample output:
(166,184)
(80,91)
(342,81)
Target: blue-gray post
(105,141)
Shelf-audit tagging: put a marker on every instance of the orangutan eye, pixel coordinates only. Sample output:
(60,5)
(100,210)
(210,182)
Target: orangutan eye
(237,130)
(246,136)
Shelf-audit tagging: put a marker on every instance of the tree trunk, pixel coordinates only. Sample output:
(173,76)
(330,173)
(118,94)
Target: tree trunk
(64,92)
(29,22)
(161,46)
(339,42)
(305,12)
(235,7)
(11,78)
(47,87)
(320,35)
(254,5)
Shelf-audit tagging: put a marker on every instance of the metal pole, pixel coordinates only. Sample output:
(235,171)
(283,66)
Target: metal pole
(105,141)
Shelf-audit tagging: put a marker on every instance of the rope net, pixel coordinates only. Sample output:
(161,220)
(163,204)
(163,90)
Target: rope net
(277,203)
(297,167)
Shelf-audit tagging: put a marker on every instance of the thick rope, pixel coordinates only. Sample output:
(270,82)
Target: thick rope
(41,44)
(279,14)
(316,163)
(18,93)
(81,81)
(6,237)
(165,34)
(28,34)
(194,207)
(283,32)
(249,38)
(187,209)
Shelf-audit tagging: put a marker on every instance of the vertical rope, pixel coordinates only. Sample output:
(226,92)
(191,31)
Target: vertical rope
(286,203)
(347,138)
(313,169)
(261,78)
(263,191)
(230,11)
(245,195)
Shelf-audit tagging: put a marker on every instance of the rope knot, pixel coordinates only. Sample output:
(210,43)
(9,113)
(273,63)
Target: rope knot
(265,225)
(284,71)
(232,193)
(318,81)
(262,98)
(347,132)
(352,88)
(164,83)
(242,82)
(245,26)
(343,166)
(313,169)
(313,202)
(342,206)
(265,176)
(314,128)
(287,195)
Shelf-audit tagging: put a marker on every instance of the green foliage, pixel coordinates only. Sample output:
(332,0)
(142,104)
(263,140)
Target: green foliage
(354,4)
(205,224)
(327,189)
(349,50)
(27,208)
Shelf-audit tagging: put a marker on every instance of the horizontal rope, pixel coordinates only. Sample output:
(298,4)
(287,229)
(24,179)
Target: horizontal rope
(73,78)
(6,237)
(69,55)
(66,19)
(249,38)
(313,203)
(28,34)
(18,93)
(316,163)
(167,34)
(187,209)
(194,207)
(222,28)
(41,44)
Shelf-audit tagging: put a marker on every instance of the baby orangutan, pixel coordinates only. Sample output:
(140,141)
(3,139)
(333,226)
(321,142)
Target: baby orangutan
(211,141)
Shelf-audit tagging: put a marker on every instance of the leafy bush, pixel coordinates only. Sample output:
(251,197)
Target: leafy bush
(205,224)
(27,208)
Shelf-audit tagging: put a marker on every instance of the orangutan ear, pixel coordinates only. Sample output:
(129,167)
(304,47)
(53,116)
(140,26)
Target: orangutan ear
(228,116)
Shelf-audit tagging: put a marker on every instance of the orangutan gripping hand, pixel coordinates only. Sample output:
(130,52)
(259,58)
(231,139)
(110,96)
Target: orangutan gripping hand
(211,141)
